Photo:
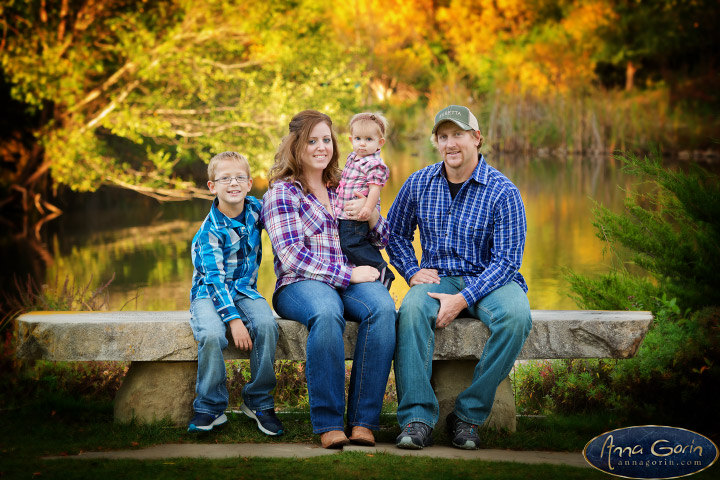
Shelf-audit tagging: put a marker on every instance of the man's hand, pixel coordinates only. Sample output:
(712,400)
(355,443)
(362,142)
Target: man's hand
(240,335)
(450,307)
(425,275)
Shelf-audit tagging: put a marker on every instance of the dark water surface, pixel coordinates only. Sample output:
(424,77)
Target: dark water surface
(147,245)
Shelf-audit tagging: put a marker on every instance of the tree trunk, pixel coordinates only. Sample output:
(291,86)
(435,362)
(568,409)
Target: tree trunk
(630,70)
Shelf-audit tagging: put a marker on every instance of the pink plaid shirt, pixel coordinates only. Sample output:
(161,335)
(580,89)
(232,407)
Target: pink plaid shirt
(305,238)
(356,176)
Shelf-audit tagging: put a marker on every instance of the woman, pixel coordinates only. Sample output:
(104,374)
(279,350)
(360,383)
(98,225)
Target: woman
(317,287)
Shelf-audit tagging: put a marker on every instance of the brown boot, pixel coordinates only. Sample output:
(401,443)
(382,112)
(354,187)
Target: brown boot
(333,439)
(362,436)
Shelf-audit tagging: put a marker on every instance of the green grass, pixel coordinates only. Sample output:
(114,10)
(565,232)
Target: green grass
(58,425)
(341,465)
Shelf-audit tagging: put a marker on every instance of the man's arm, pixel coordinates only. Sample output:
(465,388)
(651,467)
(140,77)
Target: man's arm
(403,221)
(507,251)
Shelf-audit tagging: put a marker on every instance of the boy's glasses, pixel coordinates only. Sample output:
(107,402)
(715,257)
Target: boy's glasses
(226,180)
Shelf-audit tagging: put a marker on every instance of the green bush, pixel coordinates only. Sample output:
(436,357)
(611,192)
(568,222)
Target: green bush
(671,232)
(568,386)
(667,242)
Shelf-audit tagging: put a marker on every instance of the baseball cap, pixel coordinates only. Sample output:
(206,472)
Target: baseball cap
(460,116)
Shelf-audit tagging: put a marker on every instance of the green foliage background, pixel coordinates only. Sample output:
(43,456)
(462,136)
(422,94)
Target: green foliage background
(140,94)
(673,235)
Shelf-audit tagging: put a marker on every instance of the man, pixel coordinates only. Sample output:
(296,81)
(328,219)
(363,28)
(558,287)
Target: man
(472,227)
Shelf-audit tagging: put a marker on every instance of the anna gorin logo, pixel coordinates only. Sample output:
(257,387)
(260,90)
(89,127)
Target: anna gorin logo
(651,451)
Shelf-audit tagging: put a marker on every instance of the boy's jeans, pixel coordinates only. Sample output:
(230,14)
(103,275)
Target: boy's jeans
(505,311)
(322,309)
(209,331)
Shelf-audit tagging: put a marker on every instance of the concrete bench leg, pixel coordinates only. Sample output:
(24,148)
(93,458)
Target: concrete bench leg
(154,391)
(450,377)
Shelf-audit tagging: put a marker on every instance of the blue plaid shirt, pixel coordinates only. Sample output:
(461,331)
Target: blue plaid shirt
(479,235)
(226,254)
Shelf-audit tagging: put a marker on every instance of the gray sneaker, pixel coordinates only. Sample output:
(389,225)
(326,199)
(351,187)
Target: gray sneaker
(415,436)
(464,435)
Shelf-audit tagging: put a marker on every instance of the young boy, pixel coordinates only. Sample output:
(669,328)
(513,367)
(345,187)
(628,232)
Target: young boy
(226,254)
(364,173)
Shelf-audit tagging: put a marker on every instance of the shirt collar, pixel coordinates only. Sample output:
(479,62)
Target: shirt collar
(251,212)
(480,174)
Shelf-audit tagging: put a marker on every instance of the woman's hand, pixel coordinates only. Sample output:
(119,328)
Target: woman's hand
(354,207)
(364,273)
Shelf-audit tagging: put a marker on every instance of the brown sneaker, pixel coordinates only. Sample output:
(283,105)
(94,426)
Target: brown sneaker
(333,439)
(362,436)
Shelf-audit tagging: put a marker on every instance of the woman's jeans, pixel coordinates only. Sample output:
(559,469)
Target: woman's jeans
(209,331)
(323,310)
(505,311)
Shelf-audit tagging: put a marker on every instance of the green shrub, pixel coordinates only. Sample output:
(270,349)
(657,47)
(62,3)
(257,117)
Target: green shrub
(671,232)
(676,375)
(568,386)
(670,238)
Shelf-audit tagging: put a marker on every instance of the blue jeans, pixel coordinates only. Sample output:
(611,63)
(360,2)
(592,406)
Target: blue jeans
(505,311)
(210,332)
(323,309)
(356,246)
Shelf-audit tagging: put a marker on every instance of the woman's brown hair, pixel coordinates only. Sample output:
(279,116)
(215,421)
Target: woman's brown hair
(288,166)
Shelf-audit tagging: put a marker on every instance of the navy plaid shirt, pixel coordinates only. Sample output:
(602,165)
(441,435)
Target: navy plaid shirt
(479,235)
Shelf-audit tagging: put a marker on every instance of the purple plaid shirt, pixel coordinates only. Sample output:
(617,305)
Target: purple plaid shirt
(305,238)
(358,172)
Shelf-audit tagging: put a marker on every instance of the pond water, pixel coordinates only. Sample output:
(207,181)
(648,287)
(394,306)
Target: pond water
(146,245)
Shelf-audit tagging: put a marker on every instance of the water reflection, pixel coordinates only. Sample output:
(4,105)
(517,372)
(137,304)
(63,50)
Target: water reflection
(147,245)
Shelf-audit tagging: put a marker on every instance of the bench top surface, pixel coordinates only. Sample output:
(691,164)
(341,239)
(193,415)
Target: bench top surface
(167,336)
(184,316)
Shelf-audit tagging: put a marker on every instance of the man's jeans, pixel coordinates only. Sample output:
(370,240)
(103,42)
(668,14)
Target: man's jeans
(209,331)
(505,311)
(323,309)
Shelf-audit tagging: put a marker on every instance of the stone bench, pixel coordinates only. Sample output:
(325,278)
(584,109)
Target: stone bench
(162,352)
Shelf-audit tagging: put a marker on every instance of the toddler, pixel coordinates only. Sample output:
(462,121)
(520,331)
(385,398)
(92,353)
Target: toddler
(365,173)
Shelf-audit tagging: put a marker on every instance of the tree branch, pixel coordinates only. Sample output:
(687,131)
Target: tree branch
(233,66)
(191,111)
(106,111)
(162,194)
(219,128)
(96,92)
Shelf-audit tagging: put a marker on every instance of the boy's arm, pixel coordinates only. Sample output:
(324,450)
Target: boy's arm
(207,259)
(372,200)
